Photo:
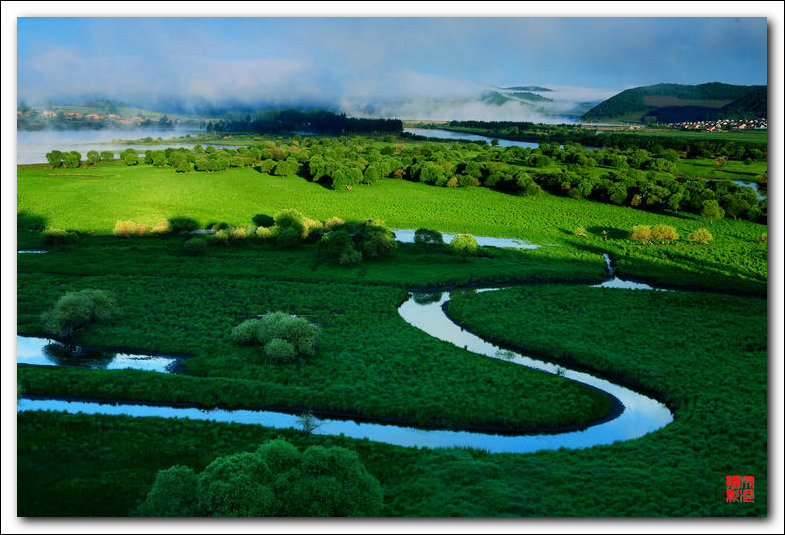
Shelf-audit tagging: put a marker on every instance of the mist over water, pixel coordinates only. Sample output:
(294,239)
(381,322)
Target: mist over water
(32,146)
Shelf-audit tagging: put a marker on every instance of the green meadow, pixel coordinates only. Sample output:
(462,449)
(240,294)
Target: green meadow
(700,349)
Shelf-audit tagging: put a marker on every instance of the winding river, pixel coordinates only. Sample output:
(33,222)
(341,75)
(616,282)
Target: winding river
(638,416)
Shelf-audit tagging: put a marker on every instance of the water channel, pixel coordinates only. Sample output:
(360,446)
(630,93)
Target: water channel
(638,416)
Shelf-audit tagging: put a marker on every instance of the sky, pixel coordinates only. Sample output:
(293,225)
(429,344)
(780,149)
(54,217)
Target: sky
(377,65)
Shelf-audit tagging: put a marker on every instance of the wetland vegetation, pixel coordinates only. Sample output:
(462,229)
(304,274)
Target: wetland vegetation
(274,268)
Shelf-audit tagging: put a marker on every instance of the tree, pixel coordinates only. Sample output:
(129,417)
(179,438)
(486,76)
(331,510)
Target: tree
(130,158)
(174,494)
(641,233)
(55,158)
(107,155)
(711,210)
(93,157)
(463,245)
(664,233)
(426,236)
(700,235)
(75,310)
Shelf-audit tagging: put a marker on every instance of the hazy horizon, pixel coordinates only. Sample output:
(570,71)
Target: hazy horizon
(425,68)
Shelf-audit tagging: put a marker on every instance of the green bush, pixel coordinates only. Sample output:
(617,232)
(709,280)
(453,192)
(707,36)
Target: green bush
(463,245)
(279,350)
(272,325)
(292,219)
(174,494)
(246,332)
(283,337)
(180,223)
(287,237)
(428,237)
(195,246)
(641,233)
(277,480)
(700,235)
(76,310)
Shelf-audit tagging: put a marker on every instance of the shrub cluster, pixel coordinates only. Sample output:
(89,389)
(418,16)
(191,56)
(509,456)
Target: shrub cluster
(660,233)
(125,229)
(284,338)
(76,310)
(351,243)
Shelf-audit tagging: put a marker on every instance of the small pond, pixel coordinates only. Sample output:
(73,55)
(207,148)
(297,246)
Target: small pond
(45,352)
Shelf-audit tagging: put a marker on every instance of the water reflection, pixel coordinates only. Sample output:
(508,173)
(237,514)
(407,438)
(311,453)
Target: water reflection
(407,236)
(44,352)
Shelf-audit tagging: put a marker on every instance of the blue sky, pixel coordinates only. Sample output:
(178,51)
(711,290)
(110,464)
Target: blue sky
(351,62)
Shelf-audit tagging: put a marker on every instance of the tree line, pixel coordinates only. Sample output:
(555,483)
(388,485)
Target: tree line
(631,177)
(316,121)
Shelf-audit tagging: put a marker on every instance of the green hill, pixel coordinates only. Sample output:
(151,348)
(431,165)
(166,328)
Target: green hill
(676,102)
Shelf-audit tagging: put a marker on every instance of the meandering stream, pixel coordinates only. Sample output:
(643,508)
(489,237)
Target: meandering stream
(425,311)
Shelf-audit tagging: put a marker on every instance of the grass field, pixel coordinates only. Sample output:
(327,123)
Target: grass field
(147,194)
(703,352)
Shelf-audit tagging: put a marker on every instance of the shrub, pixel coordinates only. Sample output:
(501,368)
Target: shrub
(302,335)
(246,332)
(641,233)
(266,233)
(195,246)
(426,236)
(215,227)
(142,229)
(56,236)
(333,243)
(700,235)
(664,233)
(162,227)
(130,158)
(463,245)
(350,256)
(180,223)
(581,232)
(220,238)
(272,325)
(287,237)
(107,155)
(279,350)
(334,223)
(292,219)
(75,310)
(299,335)
(374,239)
(238,234)
(124,228)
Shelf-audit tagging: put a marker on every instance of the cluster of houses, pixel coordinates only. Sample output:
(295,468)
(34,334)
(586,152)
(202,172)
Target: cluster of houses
(50,115)
(721,125)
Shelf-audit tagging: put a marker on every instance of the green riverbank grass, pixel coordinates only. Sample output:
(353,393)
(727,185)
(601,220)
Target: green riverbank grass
(703,354)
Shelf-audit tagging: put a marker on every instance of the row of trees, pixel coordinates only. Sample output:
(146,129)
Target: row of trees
(317,121)
(633,177)
(693,148)
(666,234)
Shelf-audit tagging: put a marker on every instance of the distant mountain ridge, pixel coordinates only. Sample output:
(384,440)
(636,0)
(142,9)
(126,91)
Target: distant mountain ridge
(667,103)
